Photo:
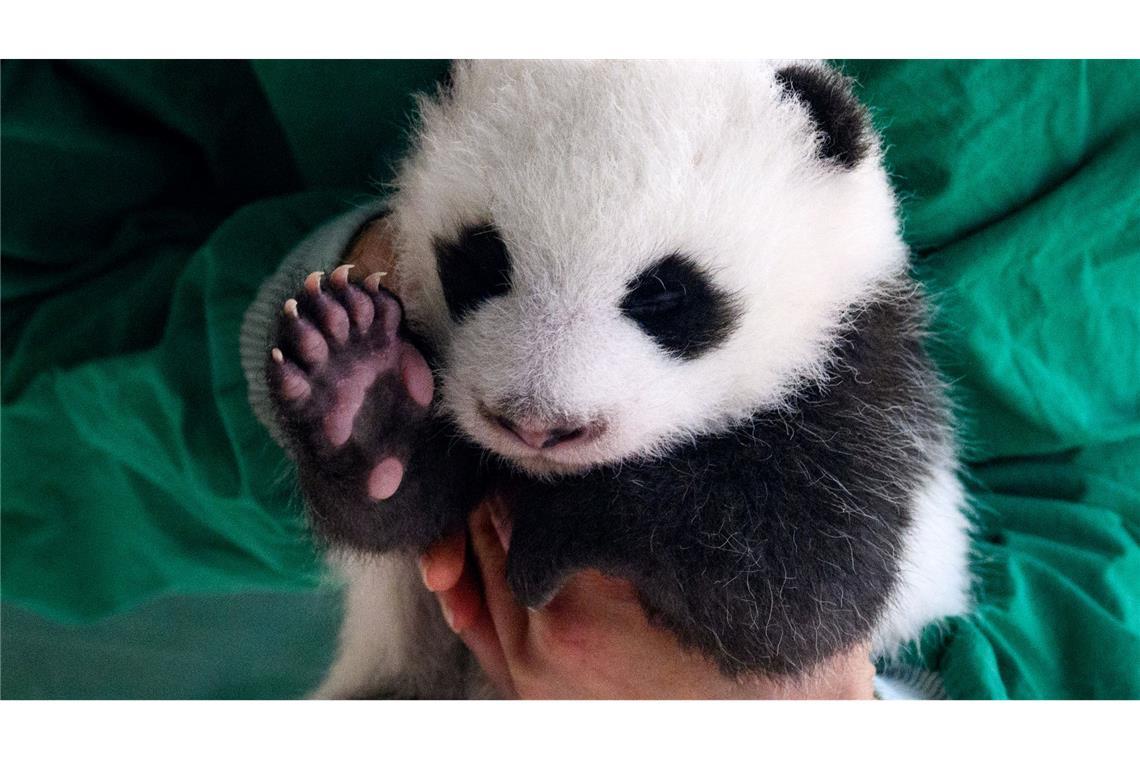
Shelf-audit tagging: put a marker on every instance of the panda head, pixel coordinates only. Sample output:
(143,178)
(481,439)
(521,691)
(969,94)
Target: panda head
(612,257)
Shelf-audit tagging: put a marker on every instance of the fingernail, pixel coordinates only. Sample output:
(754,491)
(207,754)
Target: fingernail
(422,560)
(448,617)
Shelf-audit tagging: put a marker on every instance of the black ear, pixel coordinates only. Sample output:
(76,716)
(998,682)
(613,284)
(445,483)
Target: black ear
(837,115)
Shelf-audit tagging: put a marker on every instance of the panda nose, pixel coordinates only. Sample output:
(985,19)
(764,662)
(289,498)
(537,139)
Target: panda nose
(541,437)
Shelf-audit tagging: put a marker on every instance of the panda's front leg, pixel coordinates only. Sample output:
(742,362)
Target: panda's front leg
(696,576)
(563,527)
(377,469)
(548,544)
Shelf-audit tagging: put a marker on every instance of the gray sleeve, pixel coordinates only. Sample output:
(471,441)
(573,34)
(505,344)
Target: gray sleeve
(321,250)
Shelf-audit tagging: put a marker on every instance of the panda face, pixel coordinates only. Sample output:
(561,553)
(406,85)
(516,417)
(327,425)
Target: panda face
(527,373)
(613,257)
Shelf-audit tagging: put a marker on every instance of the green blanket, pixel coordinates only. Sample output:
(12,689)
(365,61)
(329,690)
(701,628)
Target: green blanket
(152,543)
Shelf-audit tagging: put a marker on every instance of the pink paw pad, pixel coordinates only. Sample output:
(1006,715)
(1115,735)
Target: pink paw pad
(385,478)
(348,386)
(416,375)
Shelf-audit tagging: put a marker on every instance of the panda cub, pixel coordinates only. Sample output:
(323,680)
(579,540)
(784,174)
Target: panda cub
(664,309)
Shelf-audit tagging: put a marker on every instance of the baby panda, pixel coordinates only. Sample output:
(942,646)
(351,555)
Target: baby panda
(663,309)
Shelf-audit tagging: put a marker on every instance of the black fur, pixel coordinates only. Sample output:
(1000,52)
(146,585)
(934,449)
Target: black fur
(768,547)
(441,482)
(771,546)
(845,134)
(677,305)
(435,497)
(473,268)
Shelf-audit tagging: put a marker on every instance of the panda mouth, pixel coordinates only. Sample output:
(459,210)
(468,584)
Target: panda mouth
(557,443)
(543,437)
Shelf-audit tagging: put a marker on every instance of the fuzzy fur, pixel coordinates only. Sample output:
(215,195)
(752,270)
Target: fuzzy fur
(796,481)
(592,171)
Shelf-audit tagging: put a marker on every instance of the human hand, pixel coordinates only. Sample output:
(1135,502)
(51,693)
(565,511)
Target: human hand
(593,640)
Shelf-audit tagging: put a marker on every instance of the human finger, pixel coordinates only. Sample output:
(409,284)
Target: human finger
(441,565)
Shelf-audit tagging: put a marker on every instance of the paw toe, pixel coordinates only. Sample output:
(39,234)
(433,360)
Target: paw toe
(359,307)
(291,382)
(324,311)
(306,342)
(387,315)
(333,320)
(386,308)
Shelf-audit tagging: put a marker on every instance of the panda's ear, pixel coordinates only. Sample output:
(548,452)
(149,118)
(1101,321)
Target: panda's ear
(839,118)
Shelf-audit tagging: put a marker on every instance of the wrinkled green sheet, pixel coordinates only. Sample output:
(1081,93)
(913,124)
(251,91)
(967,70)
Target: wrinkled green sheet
(152,543)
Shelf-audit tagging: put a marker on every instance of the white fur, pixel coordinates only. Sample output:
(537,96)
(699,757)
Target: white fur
(934,578)
(393,639)
(591,171)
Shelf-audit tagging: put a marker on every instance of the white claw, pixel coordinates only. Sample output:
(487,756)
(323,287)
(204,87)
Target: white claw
(277,355)
(339,277)
(372,281)
(291,308)
(313,282)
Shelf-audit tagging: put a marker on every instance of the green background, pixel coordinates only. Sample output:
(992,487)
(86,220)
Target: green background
(152,544)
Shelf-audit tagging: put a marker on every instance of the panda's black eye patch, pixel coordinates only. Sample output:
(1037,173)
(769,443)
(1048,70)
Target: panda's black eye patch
(472,268)
(677,305)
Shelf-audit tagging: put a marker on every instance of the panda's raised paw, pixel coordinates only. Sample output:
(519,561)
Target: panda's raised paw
(347,387)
